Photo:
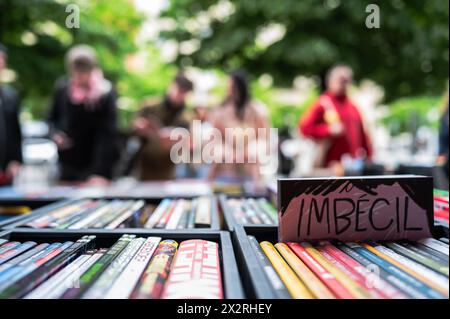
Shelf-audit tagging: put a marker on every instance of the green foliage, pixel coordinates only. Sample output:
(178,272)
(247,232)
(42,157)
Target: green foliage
(408,55)
(282,114)
(405,114)
(109,26)
(289,115)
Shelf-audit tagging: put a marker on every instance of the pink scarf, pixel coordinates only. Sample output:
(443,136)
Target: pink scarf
(89,95)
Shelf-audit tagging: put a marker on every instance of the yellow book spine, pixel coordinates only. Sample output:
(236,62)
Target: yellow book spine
(293,284)
(313,283)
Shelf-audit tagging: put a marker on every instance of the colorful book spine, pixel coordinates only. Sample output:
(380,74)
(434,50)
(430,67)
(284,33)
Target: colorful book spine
(11,274)
(103,284)
(275,281)
(115,212)
(425,290)
(313,283)
(195,273)
(139,205)
(265,218)
(128,279)
(176,215)
(162,223)
(22,257)
(378,272)
(61,213)
(354,288)
(324,274)
(91,218)
(269,209)
(237,211)
(440,267)
(83,210)
(250,213)
(370,279)
(158,213)
(355,276)
(19,249)
(8,246)
(73,280)
(44,290)
(151,283)
(427,276)
(96,270)
(295,286)
(25,279)
(47,269)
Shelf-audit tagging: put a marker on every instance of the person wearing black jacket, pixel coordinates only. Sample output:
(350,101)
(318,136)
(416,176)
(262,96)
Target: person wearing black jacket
(83,119)
(443,158)
(10,133)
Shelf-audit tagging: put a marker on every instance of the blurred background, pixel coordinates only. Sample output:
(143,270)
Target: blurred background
(287,46)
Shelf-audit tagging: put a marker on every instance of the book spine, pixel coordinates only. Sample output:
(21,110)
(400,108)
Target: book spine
(195,273)
(152,281)
(126,282)
(275,281)
(327,277)
(103,284)
(295,286)
(410,280)
(318,289)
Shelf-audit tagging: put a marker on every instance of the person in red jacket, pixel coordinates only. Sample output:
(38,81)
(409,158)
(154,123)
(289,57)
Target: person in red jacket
(335,122)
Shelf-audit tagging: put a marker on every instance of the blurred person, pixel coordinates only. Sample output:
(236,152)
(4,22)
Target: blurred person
(201,113)
(10,133)
(443,157)
(153,125)
(238,111)
(335,123)
(83,120)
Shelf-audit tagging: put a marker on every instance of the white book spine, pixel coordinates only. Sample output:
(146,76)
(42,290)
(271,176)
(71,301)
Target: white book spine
(176,215)
(124,285)
(436,245)
(44,290)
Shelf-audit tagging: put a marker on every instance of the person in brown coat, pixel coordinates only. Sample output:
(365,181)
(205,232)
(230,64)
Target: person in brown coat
(153,125)
(239,112)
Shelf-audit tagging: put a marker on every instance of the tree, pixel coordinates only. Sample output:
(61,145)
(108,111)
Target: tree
(408,54)
(37,38)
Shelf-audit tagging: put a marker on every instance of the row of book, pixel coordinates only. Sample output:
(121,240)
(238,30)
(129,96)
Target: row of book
(123,188)
(251,211)
(441,207)
(113,214)
(329,270)
(133,268)
(7,212)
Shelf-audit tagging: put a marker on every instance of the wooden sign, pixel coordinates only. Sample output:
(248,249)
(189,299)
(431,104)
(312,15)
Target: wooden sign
(355,208)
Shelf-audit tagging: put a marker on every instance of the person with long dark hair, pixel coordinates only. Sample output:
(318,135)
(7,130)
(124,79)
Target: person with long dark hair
(83,119)
(236,114)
